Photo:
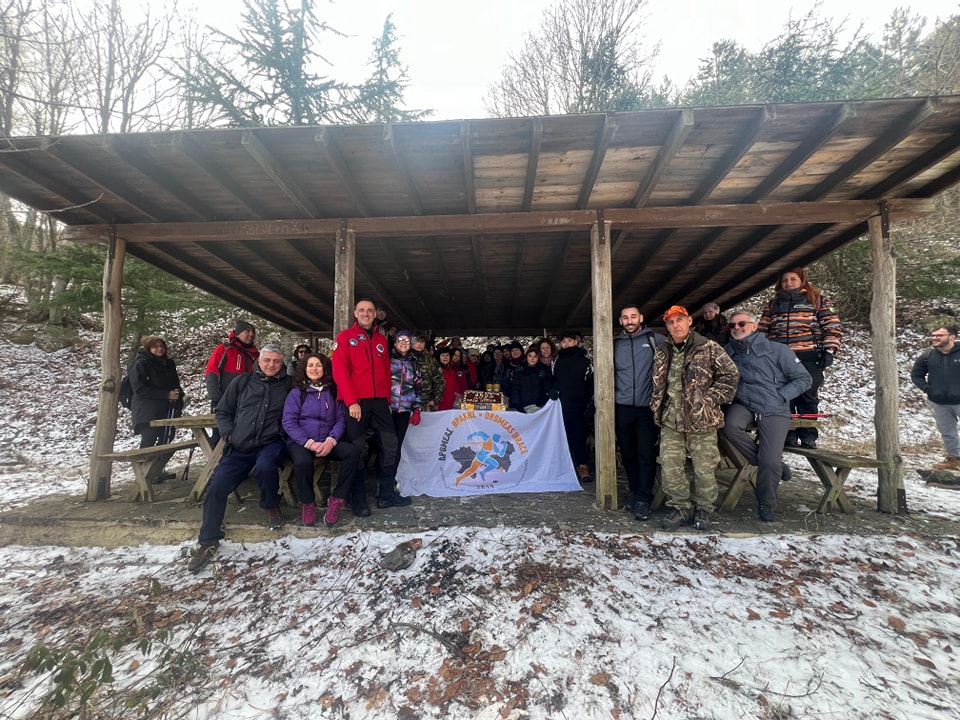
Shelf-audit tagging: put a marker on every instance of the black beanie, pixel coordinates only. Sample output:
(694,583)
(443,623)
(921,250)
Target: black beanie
(241,326)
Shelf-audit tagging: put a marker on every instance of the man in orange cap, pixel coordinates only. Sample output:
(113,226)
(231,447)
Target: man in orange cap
(692,378)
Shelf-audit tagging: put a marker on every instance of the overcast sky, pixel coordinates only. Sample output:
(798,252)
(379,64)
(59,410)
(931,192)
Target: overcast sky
(455,49)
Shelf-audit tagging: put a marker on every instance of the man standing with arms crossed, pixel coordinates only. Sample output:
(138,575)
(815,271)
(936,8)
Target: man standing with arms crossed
(937,373)
(633,351)
(361,369)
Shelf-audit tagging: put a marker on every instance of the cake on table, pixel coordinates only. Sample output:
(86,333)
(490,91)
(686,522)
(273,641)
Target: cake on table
(483,400)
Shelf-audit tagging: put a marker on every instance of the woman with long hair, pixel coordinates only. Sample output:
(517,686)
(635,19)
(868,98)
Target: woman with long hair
(315,420)
(801,317)
(157,394)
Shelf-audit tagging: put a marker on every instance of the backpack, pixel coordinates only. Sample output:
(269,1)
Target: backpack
(126,392)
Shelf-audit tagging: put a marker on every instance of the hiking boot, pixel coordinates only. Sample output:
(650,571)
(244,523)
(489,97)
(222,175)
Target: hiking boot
(791,440)
(675,519)
(701,519)
(631,504)
(809,443)
(202,556)
(765,513)
(334,506)
(641,511)
(786,474)
(584,474)
(395,500)
(275,518)
(952,462)
(308,514)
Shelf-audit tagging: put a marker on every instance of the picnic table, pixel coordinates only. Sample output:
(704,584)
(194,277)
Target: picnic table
(199,426)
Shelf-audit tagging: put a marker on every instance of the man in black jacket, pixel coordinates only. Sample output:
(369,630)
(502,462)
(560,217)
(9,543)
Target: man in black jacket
(248,417)
(937,373)
(573,375)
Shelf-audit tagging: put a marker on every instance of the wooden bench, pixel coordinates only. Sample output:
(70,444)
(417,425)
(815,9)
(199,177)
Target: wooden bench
(833,468)
(286,476)
(146,465)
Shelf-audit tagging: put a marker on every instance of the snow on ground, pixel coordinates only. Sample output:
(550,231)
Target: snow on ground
(504,622)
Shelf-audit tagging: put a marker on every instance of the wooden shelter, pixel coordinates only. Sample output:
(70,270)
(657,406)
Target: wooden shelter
(498,226)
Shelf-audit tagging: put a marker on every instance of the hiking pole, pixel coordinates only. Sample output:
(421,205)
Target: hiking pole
(186,468)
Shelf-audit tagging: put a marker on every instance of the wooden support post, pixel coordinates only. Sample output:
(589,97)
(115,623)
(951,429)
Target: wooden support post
(343,278)
(891,496)
(98,485)
(604,434)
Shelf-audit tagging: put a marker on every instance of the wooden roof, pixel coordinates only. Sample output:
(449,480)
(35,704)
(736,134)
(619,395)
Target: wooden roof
(483,225)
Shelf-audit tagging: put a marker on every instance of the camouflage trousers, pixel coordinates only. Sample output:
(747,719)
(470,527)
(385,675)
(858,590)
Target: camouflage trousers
(703,452)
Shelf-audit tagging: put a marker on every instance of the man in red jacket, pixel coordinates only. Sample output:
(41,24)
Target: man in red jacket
(361,369)
(228,361)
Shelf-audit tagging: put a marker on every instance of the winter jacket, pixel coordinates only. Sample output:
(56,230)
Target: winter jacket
(791,319)
(770,375)
(717,329)
(454,383)
(633,367)
(573,377)
(938,375)
(709,381)
(431,378)
(227,362)
(406,383)
(151,379)
(532,386)
(313,414)
(361,364)
(250,412)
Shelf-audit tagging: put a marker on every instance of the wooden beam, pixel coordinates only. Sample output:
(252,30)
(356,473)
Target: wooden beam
(73,202)
(734,154)
(406,181)
(328,143)
(345,250)
(935,155)
(678,134)
(821,133)
(466,148)
(605,454)
(480,275)
(888,139)
(269,164)
(311,301)
(607,130)
(159,233)
(533,160)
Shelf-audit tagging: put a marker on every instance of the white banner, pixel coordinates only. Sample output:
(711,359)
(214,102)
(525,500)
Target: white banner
(481,452)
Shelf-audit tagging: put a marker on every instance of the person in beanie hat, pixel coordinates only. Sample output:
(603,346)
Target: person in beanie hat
(157,394)
(406,387)
(802,318)
(228,361)
(431,389)
(712,325)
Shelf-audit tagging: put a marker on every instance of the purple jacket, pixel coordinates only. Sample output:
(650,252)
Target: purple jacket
(319,416)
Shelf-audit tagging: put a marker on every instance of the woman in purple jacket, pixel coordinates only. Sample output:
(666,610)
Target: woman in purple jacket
(314,421)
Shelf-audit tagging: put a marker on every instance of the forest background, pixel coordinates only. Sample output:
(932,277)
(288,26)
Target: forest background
(102,68)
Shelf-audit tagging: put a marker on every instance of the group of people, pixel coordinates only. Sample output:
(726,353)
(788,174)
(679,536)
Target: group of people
(676,390)
(738,376)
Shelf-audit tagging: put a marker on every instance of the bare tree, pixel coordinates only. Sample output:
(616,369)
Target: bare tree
(586,56)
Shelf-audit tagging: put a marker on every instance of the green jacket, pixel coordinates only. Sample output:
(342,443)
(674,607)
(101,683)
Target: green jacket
(432,380)
(710,380)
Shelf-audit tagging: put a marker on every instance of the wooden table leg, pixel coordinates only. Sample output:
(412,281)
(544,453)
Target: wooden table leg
(203,481)
(746,475)
(832,480)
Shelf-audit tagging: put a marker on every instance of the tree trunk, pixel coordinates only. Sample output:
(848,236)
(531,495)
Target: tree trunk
(98,486)
(604,434)
(891,496)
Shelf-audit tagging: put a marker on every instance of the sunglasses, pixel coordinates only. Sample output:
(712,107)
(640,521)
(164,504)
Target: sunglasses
(741,323)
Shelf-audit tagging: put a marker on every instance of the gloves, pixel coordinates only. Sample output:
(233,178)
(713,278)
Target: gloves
(553,394)
(826,359)
(415,417)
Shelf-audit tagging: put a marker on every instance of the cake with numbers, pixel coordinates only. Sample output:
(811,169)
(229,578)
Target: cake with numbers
(483,400)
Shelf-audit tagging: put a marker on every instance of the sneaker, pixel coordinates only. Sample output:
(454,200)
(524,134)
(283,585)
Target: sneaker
(334,506)
(791,441)
(641,511)
(308,514)
(631,504)
(808,443)
(395,500)
(701,519)
(786,474)
(202,556)
(274,518)
(675,519)
(765,513)
(584,473)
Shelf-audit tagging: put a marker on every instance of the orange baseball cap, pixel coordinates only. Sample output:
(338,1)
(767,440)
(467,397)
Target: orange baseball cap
(675,310)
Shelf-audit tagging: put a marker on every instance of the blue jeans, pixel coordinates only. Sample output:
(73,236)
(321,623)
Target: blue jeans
(230,473)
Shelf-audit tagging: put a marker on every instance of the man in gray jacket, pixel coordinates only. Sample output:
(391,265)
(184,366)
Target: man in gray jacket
(633,383)
(937,373)
(770,376)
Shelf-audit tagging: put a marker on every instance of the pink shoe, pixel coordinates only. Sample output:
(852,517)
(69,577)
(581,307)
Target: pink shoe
(309,514)
(334,506)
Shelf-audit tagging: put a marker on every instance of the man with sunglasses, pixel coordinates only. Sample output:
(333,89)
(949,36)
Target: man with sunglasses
(937,373)
(770,376)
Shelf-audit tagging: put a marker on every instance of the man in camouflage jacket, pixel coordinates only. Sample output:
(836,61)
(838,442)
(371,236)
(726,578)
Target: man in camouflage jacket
(692,378)
(430,374)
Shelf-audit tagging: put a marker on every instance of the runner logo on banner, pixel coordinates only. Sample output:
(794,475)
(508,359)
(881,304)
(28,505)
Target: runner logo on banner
(473,452)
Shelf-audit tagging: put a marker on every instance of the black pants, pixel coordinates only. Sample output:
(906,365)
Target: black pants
(575,427)
(303,465)
(637,435)
(765,450)
(153,436)
(375,414)
(808,403)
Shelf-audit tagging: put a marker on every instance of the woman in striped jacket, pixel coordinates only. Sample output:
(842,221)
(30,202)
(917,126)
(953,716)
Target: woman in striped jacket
(803,318)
